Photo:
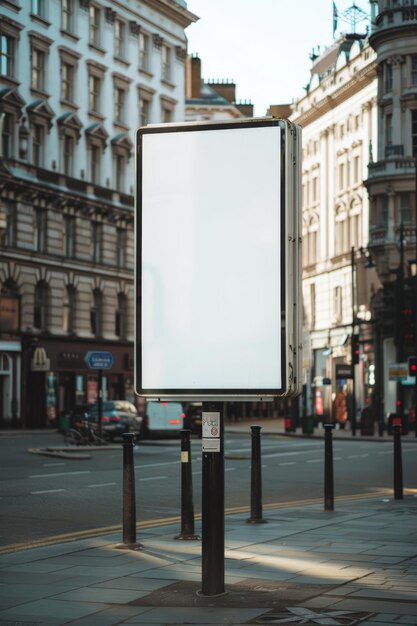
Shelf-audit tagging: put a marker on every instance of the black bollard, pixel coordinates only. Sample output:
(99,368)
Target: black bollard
(256,479)
(129,499)
(187,505)
(328,468)
(398,464)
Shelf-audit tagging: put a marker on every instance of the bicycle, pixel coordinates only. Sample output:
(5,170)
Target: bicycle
(83,433)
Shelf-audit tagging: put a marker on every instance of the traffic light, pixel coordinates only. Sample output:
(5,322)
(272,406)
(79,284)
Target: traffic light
(412,366)
(355,349)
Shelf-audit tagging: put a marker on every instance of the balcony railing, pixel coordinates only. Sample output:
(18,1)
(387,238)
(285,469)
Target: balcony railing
(394,150)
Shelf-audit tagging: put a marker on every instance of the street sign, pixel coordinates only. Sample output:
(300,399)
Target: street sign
(397,371)
(343,371)
(218,272)
(99,360)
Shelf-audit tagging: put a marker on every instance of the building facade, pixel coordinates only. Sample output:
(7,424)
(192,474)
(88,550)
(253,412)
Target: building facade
(77,77)
(338,114)
(392,188)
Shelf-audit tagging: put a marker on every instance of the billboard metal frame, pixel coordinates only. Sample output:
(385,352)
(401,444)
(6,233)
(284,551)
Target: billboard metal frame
(290,267)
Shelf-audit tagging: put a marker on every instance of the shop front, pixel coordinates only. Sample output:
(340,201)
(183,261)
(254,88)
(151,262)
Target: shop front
(58,379)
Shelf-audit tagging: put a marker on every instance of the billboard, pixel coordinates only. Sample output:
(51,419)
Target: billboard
(218,260)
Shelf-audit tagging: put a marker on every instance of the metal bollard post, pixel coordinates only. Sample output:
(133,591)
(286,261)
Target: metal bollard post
(398,465)
(328,468)
(129,499)
(187,505)
(256,479)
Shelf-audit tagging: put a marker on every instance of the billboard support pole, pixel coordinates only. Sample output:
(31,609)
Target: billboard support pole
(213,508)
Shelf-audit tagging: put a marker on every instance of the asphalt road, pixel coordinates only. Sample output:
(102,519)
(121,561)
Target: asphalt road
(42,496)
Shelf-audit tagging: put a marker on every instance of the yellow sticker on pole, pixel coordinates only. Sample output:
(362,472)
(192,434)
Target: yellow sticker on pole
(184,457)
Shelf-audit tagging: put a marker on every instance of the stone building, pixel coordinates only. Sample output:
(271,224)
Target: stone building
(338,114)
(392,188)
(77,77)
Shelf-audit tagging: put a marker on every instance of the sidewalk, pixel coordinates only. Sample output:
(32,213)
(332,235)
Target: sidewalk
(357,564)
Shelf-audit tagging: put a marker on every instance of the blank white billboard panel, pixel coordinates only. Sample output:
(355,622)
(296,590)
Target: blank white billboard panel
(210,254)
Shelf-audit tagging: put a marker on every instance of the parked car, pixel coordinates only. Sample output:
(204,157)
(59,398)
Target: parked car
(194,418)
(118,417)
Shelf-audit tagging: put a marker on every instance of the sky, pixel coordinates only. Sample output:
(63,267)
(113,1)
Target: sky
(264,45)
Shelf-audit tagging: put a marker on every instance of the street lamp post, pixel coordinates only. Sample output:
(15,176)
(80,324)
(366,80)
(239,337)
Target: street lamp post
(353,344)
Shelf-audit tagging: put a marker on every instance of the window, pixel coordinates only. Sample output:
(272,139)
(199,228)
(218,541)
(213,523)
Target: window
(67,15)
(121,316)
(144,112)
(69,236)
(119,104)
(8,217)
(341,176)
(166,115)
(94,25)
(7,55)
(38,69)
(96,242)
(67,81)
(405,207)
(313,305)
(40,230)
(355,229)
(341,231)
(41,305)
(387,77)
(312,240)
(315,189)
(144,47)
(38,8)
(38,141)
(94,91)
(121,247)
(68,310)
(96,313)
(356,169)
(95,163)
(337,305)
(119,38)
(166,63)
(68,155)
(120,168)
(388,129)
(121,147)
(414,132)
(414,71)
(7,122)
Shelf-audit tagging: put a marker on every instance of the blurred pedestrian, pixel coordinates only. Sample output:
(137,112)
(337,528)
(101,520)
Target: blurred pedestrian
(341,407)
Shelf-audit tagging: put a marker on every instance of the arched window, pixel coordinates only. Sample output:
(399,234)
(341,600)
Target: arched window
(41,306)
(96,314)
(121,316)
(68,310)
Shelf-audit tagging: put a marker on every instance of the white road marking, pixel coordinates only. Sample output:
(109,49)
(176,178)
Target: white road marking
(46,491)
(288,463)
(154,478)
(60,474)
(229,469)
(102,485)
(353,456)
(314,461)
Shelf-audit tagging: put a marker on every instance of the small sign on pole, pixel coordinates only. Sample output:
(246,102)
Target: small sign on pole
(99,360)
